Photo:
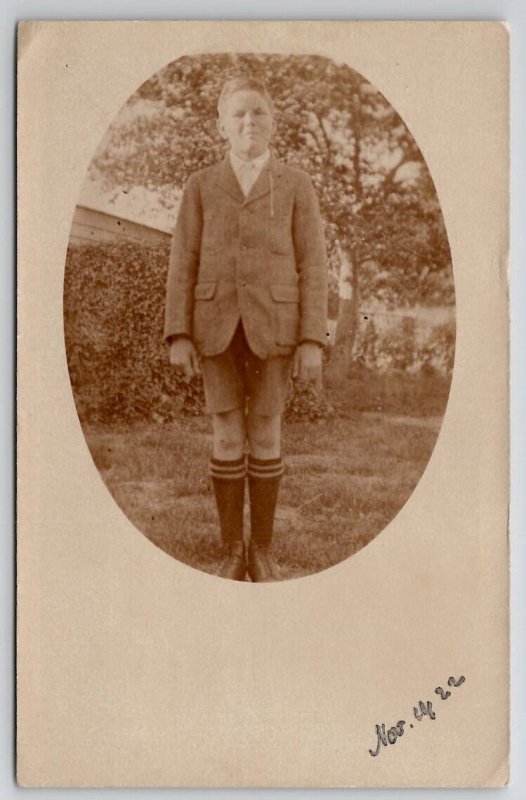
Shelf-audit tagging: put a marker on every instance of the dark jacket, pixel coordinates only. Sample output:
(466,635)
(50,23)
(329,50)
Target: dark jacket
(260,259)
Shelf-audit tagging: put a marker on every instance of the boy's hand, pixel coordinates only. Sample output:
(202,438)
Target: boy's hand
(307,363)
(184,357)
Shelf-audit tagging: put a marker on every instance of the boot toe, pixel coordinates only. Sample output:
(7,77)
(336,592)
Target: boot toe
(261,567)
(233,563)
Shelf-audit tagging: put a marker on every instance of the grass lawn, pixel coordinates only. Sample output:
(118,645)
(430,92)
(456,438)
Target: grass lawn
(345,480)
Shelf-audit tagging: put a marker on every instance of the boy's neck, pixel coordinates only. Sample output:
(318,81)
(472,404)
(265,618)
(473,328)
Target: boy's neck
(247,158)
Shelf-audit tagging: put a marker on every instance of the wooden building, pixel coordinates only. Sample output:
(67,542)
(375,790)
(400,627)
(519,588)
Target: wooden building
(92,225)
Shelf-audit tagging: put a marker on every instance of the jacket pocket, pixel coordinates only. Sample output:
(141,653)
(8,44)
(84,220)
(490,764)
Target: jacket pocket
(205,291)
(205,311)
(287,315)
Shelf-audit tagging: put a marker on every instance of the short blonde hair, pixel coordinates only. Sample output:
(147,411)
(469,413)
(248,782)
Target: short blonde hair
(243,83)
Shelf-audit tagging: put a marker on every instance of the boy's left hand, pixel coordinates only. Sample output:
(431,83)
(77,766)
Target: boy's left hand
(307,363)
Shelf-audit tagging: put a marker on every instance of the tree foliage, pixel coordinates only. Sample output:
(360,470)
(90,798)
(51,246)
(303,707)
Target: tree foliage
(376,195)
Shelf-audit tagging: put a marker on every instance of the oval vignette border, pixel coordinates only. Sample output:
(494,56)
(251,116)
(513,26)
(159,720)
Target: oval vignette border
(132,415)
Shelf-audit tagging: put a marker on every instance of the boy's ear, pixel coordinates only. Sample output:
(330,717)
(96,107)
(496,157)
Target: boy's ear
(220,128)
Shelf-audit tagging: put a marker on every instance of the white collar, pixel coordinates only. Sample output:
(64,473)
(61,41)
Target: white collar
(256,163)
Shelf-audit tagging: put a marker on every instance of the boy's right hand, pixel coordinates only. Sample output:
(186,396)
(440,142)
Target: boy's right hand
(183,356)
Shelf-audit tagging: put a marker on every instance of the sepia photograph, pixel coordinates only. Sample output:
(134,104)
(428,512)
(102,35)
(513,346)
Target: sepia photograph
(262,339)
(259,313)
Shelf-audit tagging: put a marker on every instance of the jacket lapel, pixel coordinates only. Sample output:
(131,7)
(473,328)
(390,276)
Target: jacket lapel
(228,181)
(263,183)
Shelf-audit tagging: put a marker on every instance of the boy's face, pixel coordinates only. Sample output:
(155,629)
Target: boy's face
(247,122)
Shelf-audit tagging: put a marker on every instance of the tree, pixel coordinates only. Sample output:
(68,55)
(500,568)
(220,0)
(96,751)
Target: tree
(382,216)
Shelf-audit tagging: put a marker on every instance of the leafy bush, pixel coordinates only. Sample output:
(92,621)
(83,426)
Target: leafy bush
(397,350)
(113,325)
(304,402)
(438,351)
(402,348)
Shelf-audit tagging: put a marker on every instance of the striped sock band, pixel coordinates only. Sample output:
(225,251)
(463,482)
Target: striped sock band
(264,478)
(228,470)
(265,468)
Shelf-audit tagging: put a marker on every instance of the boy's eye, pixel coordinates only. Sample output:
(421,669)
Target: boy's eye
(258,111)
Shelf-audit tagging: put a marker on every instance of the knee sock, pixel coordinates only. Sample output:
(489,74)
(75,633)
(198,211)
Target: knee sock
(228,479)
(264,476)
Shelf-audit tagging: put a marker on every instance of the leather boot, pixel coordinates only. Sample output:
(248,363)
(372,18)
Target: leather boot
(233,563)
(261,566)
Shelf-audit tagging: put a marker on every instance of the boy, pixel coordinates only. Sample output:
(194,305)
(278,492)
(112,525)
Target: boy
(247,297)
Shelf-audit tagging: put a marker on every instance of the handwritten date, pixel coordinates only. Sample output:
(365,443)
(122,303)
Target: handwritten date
(384,737)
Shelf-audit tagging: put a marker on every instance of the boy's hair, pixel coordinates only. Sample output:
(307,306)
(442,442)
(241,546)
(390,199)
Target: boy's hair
(242,83)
